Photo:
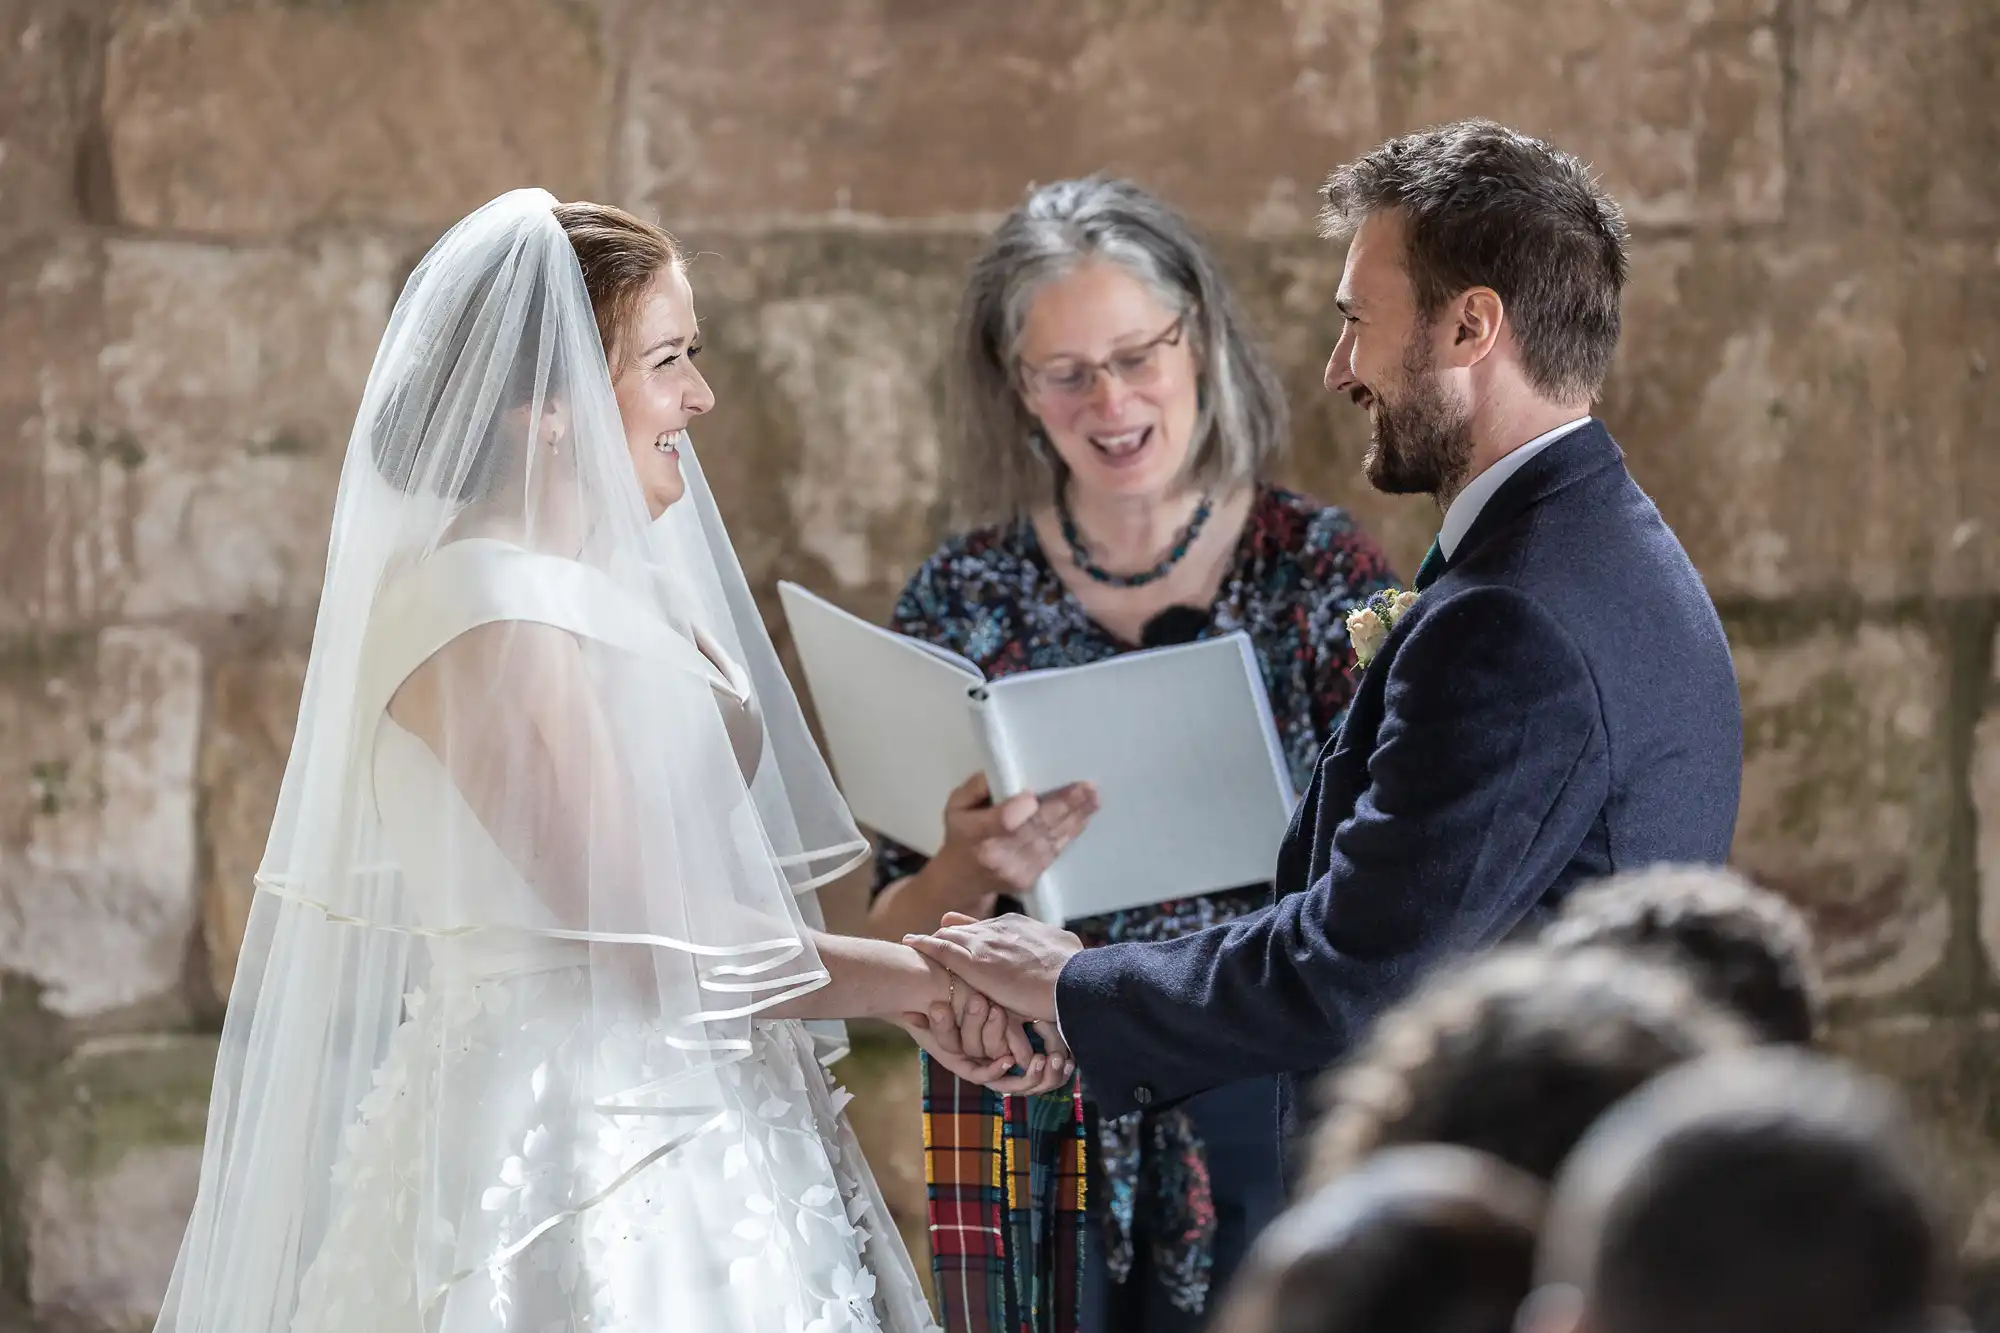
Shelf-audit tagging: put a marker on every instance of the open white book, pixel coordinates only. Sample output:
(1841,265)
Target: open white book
(1193,791)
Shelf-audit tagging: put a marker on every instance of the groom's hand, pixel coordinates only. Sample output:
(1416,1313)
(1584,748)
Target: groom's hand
(1011,960)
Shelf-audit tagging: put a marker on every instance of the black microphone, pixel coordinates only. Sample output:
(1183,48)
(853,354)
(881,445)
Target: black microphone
(1176,624)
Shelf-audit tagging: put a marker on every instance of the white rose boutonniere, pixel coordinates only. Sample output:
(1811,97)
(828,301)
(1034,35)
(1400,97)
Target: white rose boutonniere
(1367,626)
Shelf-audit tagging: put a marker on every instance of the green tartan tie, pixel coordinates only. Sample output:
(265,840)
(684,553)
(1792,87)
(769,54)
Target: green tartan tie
(1432,566)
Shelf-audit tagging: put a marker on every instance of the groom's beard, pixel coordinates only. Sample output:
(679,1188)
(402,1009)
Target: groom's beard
(1422,444)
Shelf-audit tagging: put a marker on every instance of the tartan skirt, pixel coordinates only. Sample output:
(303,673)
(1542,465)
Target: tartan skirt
(1005,1178)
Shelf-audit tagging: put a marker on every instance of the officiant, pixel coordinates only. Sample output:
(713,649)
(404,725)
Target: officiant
(1115,428)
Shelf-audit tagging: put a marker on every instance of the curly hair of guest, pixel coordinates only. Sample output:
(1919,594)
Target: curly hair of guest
(1745,948)
(1515,1054)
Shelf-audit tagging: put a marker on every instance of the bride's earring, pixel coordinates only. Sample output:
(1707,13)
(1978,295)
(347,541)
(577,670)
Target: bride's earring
(553,428)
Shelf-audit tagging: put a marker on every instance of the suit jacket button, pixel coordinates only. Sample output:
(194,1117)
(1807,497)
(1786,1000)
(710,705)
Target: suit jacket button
(1143,1094)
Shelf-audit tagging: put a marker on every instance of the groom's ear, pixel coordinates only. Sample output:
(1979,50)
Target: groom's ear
(1475,325)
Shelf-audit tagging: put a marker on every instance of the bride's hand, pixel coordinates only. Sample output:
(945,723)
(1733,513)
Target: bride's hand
(1042,1072)
(966,1010)
(986,1031)
(981,1041)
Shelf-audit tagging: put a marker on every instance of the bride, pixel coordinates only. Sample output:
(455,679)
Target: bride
(530,1028)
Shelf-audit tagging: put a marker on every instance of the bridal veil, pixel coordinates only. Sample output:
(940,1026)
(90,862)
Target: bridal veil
(583,738)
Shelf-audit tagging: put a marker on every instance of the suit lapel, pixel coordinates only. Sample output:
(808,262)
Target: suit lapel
(1585,452)
(1328,799)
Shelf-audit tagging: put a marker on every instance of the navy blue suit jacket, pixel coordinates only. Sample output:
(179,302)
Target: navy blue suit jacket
(1558,705)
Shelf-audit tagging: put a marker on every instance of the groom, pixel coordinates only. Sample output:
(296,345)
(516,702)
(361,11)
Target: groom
(1558,704)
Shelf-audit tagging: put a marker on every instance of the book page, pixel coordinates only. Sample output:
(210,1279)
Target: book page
(1193,790)
(897,716)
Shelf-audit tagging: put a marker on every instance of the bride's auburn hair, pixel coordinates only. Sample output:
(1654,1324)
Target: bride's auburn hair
(620,256)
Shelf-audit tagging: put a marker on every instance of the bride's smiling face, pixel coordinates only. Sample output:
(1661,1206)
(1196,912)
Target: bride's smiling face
(659,390)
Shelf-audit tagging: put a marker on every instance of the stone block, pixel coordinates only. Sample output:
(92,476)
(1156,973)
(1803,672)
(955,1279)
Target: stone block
(51,327)
(248,120)
(97,790)
(1846,792)
(810,109)
(175,420)
(1946,1068)
(1680,106)
(1985,782)
(52,164)
(856,372)
(825,354)
(1815,417)
(1896,123)
(252,706)
(107,1207)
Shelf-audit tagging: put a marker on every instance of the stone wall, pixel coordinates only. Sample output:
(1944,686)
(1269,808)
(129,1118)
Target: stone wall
(206,207)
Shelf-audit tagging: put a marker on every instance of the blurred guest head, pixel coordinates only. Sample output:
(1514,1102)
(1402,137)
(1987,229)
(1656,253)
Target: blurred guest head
(1515,1054)
(1749,1192)
(1747,949)
(1099,346)
(1483,278)
(1422,1239)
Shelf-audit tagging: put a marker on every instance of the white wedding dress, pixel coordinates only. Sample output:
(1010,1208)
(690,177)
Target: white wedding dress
(499,1054)
(755,1214)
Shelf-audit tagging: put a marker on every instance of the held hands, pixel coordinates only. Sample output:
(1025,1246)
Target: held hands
(1007,969)
(984,1043)
(1014,960)
(989,850)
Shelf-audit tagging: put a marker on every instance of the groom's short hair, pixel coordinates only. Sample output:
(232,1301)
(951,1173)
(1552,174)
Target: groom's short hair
(1485,206)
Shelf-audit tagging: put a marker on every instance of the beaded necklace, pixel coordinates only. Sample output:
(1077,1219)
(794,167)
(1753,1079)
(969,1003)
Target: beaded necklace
(1145,576)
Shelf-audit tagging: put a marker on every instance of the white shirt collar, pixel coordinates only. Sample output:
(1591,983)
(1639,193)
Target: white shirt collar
(1458,518)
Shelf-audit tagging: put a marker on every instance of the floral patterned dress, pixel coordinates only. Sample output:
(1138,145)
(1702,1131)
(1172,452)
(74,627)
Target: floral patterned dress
(993,597)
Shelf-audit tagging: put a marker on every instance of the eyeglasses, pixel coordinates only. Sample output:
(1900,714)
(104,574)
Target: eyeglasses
(1072,377)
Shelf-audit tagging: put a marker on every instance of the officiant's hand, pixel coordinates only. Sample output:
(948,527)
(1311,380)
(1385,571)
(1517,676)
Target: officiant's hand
(992,849)
(988,850)
(1012,960)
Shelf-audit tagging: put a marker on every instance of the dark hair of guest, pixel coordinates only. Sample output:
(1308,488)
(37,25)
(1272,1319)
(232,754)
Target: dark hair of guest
(1422,1239)
(1749,1192)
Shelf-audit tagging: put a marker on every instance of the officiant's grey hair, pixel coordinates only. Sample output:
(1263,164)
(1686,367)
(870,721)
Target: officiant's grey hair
(1000,472)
